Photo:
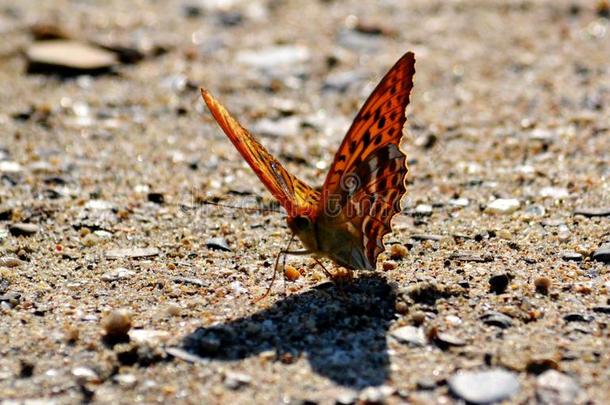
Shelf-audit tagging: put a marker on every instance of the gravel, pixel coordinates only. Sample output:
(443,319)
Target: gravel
(105,176)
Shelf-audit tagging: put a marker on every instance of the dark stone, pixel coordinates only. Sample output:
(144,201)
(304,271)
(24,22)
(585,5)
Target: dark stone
(602,309)
(6,213)
(575,317)
(26,369)
(157,198)
(192,10)
(499,282)
(602,254)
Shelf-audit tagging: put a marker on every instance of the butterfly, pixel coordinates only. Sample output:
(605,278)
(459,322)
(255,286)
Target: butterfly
(347,220)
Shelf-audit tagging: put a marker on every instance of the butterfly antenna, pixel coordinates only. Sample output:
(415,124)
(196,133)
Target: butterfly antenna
(236,207)
(277,261)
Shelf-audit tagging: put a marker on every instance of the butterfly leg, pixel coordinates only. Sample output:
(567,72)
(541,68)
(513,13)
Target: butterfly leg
(277,262)
(339,282)
(328,273)
(284,270)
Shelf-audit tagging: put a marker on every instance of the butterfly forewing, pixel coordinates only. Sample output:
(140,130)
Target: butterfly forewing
(294,195)
(366,180)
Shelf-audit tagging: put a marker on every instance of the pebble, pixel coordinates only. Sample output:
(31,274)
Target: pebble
(459,202)
(602,254)
(8,166)
(593,211)
(120,273)
(445,340)
(85,375)
(484,387)
(376,395)
(556,222)
(22,229)
(453,320)
(426,141)
(534,210)
(8,261)
(150,337)
(235,380)
(470,257)
(346,398)
(411,335)
(498,319)
(271,57)
(554,192)
(11,299)
(576,317)
(499,282)
(571,256)
(125,380)
(563,233)
(553,387)
(602,309)
(116,324)
(99,205)
(184,355)
(503,206)
(389,265)
(398,251)
(542,134)
(189,280)
(156,197)
(6,213)
(425,384)
(542,285)
(57,55)
(423,210)
(418,317)
(173,310)
(132,253)
(218,244)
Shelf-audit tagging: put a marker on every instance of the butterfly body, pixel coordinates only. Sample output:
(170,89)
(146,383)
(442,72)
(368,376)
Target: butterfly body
(336,241)
(347,220)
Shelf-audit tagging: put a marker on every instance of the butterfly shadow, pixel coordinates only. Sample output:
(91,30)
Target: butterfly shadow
(341,330)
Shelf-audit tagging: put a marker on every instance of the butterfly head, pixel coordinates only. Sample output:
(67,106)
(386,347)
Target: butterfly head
(303,226)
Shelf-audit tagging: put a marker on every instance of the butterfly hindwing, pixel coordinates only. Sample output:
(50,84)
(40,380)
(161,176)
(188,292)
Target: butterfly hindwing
(294,195)
(366,180)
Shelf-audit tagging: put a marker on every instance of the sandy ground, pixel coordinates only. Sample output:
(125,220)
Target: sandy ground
(500,284)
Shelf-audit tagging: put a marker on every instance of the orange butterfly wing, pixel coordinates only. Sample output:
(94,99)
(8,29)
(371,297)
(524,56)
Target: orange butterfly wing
(294,195)
(367,178)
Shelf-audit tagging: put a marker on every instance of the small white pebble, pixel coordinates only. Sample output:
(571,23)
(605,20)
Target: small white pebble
(453,320)
(503,206)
